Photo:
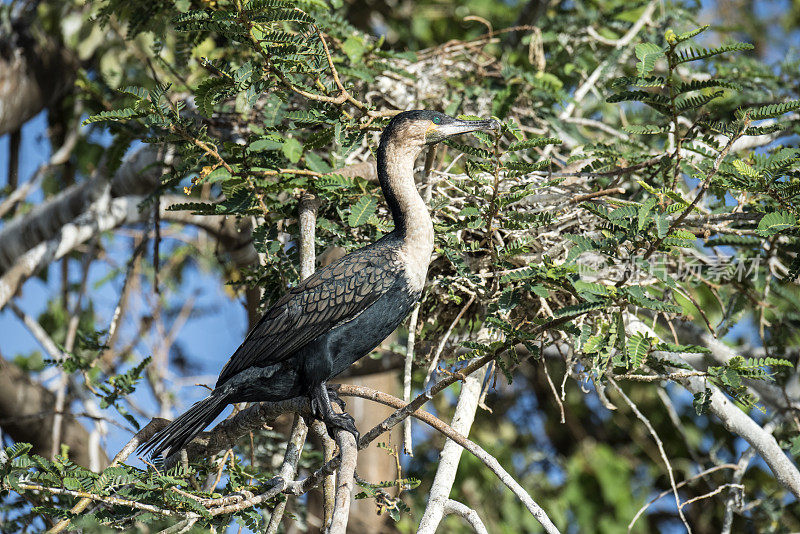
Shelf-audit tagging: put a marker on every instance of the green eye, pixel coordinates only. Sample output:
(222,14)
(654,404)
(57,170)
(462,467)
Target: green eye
(437,120)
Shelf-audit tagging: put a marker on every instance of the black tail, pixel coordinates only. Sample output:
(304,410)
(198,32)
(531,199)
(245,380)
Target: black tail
(179,432)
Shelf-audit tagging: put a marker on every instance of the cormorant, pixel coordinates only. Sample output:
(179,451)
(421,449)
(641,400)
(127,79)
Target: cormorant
(344,310)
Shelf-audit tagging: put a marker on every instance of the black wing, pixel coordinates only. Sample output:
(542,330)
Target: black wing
(334,294)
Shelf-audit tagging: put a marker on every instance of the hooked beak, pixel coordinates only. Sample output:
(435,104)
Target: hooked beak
(437,132)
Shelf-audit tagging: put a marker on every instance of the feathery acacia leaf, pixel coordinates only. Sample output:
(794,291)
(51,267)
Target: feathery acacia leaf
(695,54)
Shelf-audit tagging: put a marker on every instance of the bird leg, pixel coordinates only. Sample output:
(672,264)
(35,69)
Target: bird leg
(333,394)
(322,410)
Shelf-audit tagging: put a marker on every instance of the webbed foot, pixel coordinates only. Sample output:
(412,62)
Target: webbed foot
(321,398)
(333,395)
(342,421)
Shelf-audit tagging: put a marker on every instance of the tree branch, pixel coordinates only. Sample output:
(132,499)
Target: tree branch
(344,483)
(451,452)
(469,515)
(734,419)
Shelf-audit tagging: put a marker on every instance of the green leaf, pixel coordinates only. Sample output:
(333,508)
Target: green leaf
(647,53)
(650,81)
(579,309)
(696,85)
(645,129)
(292,149)
(795,448)
(354,47)
(770,111)
(745,169)
(772,223)
(266,143)
(533,143)
(636,349)
(694,54)
(209,92)
(691,349)
(362,210)
(687,103)
(471,150)
(662,226)
(593,288)
(688,35)
(644,216)
(115,115)
(286,15)
(218,175)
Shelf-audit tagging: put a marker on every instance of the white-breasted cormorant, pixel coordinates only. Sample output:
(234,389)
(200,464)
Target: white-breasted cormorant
(344,310)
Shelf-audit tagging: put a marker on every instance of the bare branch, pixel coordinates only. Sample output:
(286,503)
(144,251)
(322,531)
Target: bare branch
(294,447)
(734,419)
(679,485)
(344,482)
(660,445)
(470,515)
(409,365)
(451,452)
(476,450)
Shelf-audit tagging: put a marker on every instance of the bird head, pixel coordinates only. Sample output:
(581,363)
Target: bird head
(422,127)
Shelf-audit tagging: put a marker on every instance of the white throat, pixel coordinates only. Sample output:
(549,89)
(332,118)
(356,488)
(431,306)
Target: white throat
(415,219)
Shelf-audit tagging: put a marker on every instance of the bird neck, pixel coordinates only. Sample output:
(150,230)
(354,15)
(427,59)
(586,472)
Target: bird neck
(412,222)
(396,176)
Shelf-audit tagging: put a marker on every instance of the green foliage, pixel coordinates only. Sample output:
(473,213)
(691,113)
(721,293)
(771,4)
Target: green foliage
(362,210)
(576,222)
(772,223)
(648,54)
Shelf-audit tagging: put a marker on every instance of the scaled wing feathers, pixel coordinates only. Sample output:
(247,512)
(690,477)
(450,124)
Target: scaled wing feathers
(332,295)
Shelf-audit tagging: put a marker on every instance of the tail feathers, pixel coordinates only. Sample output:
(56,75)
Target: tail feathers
(179,432)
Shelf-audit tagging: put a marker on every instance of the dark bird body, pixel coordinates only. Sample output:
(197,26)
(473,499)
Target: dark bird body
(341,312)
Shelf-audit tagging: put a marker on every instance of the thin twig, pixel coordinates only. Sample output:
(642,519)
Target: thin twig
(443,341)
(679,485)
(553,389)
(469,515)
(442,427)
(660,445)
(407,368)
(712,493)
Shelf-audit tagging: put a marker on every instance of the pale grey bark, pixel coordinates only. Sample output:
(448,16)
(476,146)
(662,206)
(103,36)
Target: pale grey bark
(33,76)
(734,419)
(451,452)
(103,215)
(344,481)
(139,175)
(297,436)
(469,515)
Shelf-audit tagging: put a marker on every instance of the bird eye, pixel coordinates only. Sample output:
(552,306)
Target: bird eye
(437,120)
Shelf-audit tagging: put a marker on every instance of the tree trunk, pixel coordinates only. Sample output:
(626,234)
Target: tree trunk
(27,410)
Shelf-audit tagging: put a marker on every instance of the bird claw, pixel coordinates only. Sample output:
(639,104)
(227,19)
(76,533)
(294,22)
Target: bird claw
(334,396)
(342,421)
(321,409)
(316,407)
